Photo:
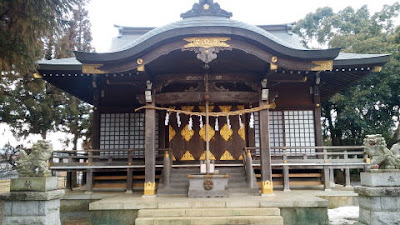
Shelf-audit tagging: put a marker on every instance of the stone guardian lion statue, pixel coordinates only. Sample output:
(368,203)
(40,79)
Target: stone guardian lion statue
(381,156)
(35,164)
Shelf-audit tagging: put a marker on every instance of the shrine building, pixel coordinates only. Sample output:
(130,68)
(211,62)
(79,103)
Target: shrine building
(208,94)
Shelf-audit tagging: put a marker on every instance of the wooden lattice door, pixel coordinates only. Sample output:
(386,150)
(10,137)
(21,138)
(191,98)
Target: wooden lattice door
(226,143)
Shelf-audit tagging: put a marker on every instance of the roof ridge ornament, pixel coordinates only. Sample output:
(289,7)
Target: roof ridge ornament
(206,8)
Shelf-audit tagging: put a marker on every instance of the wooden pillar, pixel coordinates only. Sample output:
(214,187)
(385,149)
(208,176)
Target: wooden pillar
(317,111)
(327,182)
(347,171)
(95,133)
(89,181)
(129,173)
(150,150)
(286,177)
(332,176)
(129,180)
(266,171)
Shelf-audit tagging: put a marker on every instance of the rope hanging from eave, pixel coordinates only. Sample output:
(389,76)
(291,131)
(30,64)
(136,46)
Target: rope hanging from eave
(214,114)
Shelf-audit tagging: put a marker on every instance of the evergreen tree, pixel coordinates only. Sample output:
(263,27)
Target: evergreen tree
(23,24)
(372,105)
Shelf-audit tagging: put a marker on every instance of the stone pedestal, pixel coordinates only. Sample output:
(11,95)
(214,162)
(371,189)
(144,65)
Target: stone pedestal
(379,197)
(208,185)
(32,200)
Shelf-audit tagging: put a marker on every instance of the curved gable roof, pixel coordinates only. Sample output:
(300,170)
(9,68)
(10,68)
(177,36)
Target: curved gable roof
(209,25)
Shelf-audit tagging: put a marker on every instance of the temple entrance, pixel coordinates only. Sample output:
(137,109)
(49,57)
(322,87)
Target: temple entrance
(227,136)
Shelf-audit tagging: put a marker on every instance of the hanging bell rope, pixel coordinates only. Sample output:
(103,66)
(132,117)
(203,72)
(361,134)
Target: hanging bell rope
(213,114)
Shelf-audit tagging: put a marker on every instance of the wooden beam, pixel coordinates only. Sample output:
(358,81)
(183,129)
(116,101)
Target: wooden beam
(239,97)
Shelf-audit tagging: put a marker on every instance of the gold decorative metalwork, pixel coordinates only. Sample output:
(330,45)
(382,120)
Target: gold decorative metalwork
(203,108)
(206,6)
(149,188)
(186,133)
(211,132)
(187,108)
(226,132)
(173,158)
(92,68)
(140,61)
(248,153)
(225,108)
(242,132)
(240,107)
(322,65)
(37,76)
(187,156)
(241,157)
(203,156)
(267,187)
(166,154)
(377,69)
(273,66)
(140,68)
(274,59)
(172,133)
(207,42)
(227,156)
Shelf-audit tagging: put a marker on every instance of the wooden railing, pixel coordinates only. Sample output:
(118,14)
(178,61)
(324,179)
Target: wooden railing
(105,158)
(327,158)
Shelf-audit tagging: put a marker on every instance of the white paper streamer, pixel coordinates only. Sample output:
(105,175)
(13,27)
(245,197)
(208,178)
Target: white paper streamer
(216,124)
(251,122)
(228,122)
(190,123)
(201,121)
(178,120)
(240,121)
(166,118)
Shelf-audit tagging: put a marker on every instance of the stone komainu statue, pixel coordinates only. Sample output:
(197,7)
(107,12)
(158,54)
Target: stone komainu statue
(381,156)
(35,164)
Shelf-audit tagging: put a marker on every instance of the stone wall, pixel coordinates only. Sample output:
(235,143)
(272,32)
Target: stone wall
(32,212)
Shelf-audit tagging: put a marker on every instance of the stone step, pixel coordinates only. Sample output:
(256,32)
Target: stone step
(207,212)
(184,179)
(254,220)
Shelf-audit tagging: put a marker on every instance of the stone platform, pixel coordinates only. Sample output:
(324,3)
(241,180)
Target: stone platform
(296,207)
(32,200)
(379,197)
